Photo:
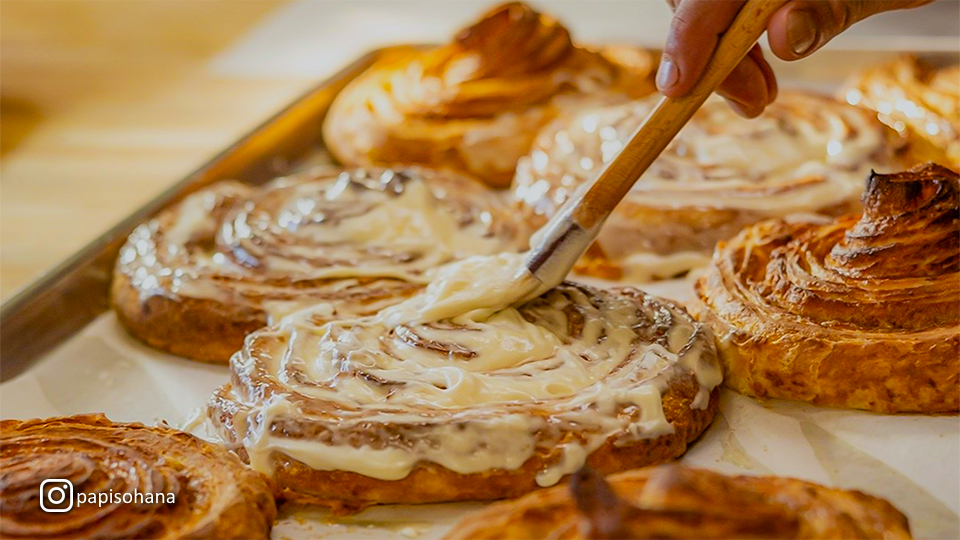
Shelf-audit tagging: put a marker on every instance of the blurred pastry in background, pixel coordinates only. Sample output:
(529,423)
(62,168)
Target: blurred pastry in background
(468,405)
(475,104)
(87,477)
(232,258)
(861,312)
(805,155)
(673,501)
(918,100)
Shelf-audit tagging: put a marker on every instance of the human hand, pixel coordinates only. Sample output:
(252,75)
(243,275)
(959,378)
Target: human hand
(797,30)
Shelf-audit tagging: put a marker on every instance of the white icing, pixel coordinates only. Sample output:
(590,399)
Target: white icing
(640,267)
(484,284)
(356,240)
(465,371)
(720,160)
(805,154)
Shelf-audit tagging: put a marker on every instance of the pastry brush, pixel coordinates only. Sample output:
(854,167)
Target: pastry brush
(561,242)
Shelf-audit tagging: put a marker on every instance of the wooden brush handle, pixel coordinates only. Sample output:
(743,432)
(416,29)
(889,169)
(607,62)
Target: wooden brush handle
(671,114)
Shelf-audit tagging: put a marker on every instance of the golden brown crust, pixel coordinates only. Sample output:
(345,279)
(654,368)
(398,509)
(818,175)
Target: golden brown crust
(806,154)
(214,494)
(673,501)
(310,399)
(863,312)
(918,100)
(475,104)
(431,483)
(187,283)
(196,328)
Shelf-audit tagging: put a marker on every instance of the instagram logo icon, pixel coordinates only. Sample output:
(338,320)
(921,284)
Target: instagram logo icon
(56,495)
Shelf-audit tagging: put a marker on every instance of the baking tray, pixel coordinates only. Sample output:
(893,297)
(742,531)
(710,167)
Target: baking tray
(74,293)
(62,352)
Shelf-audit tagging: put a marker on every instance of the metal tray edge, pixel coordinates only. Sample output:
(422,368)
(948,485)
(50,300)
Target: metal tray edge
(64,299)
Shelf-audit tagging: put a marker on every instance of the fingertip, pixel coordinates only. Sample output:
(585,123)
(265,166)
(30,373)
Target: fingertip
(773,89)
(668,75)
(766,71)
(691,41)
(744,110)
(748,86)
(795,31)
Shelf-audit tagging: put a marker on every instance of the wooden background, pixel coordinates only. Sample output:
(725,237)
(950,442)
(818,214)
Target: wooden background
(103,103)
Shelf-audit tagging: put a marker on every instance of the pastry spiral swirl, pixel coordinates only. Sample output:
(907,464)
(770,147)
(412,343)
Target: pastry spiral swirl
(232,258)
(475,104)
(673,501)
(917,100)
(862,312)
(806,154)
(468,408)
(179,486)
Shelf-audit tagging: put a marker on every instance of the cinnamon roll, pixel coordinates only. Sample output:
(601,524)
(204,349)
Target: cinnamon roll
(232,258)
(919,101)
(125,481)
(482,405)
(673,501)
(806,154)
(476,103)
(862,312)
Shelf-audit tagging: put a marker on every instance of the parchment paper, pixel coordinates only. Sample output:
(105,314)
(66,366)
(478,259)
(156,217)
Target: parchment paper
(911,460)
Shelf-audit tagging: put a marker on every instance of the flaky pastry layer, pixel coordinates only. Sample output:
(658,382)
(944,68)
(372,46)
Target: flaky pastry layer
(233,258)
(807,154)
(674,501)
(862,312)
(475,104)
(187,488)
(476,407)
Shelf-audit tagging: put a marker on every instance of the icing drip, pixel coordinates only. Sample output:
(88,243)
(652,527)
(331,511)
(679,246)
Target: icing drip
(355,240)
(802,154)
(470,385)
(806,154)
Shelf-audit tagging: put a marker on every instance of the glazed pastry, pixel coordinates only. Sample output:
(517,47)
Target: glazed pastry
(917,100)
(862,312)
(806,154)
(475,104)
(233,258)
(673,501)
(129,481)
(468,404)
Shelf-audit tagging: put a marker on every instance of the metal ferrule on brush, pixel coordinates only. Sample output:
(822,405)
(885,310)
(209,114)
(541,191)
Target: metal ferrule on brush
(558,245)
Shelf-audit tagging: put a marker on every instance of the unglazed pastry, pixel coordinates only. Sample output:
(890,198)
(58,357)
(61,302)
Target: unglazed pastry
(862,312)
(440,399)
(233,258)
(917,100)
(673,501)
(806,154)
(178,485)
(475,104)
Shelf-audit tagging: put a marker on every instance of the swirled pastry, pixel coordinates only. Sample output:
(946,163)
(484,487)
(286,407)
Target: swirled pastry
(475,104)
(917,100)
(862,312)
(672,501)
(484,405)
(806,154)
(232,258)
(128,481)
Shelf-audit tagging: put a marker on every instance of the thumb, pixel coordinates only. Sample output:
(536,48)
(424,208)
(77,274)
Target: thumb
(804,26)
